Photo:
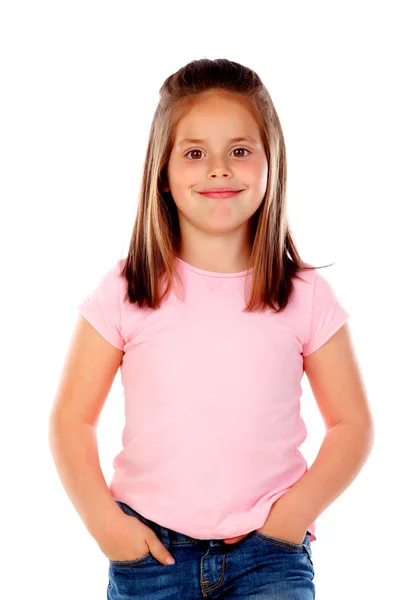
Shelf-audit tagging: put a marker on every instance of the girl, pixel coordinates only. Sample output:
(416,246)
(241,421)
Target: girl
(213,318)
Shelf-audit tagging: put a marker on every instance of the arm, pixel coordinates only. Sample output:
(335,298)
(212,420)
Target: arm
(340,394)
(74,448)
(87,376)
(343,452)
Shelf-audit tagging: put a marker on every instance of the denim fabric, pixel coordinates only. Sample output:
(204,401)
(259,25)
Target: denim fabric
(258,566)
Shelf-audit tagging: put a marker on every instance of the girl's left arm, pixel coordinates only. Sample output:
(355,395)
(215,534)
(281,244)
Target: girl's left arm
(339,391)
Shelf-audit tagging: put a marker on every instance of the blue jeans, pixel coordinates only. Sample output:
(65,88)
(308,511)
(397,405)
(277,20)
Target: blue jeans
(258,566)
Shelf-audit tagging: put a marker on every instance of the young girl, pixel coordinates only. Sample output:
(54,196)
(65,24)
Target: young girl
(212,318)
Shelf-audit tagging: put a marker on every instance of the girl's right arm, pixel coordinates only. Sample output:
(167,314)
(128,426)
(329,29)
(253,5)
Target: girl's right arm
(87,376)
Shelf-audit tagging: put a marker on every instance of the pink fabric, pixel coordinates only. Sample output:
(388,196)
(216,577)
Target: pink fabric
(212,397)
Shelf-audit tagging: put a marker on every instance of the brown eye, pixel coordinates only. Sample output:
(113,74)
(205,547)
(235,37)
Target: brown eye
(196,150)
(193,151)
(241,149)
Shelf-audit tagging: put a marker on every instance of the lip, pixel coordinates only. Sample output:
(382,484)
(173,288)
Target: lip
(220,188)
(220,195)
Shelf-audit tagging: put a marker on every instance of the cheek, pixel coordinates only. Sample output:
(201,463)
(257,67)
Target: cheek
(184,175)
(256,174)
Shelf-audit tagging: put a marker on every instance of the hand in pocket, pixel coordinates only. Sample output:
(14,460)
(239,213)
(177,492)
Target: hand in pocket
(130,539)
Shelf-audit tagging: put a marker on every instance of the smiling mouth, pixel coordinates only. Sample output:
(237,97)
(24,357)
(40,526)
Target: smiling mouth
(221,195)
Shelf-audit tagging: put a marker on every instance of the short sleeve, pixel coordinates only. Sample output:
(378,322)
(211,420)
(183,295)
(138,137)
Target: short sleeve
(102,307)
(327,315)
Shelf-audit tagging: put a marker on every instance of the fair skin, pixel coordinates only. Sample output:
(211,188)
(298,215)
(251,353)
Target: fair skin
(215,233)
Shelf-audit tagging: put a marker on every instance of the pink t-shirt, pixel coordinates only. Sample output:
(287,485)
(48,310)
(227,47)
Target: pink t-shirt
(212,397)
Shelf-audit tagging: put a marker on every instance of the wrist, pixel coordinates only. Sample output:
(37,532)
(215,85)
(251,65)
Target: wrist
(106,522)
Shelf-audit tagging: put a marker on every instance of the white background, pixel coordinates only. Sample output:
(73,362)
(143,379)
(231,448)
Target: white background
(80,85)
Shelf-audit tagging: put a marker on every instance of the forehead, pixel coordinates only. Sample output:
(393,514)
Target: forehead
(217,117)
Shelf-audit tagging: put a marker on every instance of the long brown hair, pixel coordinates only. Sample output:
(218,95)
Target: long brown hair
(155,239)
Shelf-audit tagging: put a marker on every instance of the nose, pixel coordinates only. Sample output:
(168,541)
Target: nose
(220,170)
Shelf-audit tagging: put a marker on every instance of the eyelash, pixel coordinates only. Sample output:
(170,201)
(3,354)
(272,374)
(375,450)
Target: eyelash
(197,150)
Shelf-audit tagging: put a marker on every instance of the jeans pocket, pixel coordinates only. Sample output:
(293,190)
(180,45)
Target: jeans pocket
(301,551)
(130,563)
(282,543)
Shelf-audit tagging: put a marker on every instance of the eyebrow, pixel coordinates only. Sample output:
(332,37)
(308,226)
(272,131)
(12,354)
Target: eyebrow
(245,138)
